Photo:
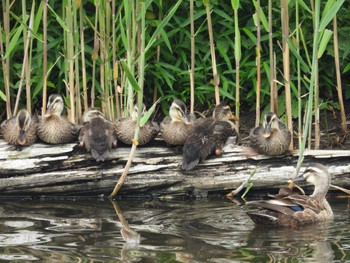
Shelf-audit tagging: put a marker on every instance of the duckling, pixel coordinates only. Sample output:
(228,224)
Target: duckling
(175,127)
(53,128)
(21,129)
(272,137)
(125,128)
(98,134)
(208,136)
(290,209)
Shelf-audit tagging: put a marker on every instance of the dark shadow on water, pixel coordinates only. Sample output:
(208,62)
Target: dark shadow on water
(161,231)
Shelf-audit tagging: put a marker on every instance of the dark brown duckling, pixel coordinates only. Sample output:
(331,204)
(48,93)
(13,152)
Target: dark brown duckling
(53,128)
(295,209)
(125,128)
(208,136)
(175,127)
(97,135)
(21,129)
(272,137)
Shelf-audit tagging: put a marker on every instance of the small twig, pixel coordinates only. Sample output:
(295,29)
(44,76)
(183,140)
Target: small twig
(341,189)
(244,184)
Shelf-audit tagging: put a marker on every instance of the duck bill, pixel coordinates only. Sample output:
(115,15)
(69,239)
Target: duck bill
(21,138)
(299,178)
(233,118)
(267,131)
(186,119)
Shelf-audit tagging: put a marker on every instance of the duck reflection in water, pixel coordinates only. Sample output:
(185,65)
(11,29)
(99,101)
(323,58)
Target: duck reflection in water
(307,244)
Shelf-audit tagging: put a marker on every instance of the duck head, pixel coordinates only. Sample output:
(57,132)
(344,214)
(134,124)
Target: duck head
(55,104)
(270,123)
(224,113)
(135,112)
(318,175)
(92,113)
(178,111)
(23,121)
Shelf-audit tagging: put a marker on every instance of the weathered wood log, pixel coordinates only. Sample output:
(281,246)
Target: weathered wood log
(67,169)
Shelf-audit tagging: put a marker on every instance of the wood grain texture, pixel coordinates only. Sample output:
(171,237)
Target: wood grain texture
(67,169)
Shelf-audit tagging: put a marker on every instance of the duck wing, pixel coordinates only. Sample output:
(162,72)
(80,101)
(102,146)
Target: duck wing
(100,137)
(148,132)
(293,209)
(205,137)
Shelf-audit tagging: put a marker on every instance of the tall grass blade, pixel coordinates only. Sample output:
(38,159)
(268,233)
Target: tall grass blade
(330,13)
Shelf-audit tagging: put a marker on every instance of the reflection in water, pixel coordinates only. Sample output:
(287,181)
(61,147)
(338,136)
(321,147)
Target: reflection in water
(149,231)
(131,237)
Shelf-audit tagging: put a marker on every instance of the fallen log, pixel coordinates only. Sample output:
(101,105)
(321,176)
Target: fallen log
(47,170)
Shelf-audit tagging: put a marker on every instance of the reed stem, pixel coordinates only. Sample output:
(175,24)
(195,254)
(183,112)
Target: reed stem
(27,66)
(95,53)
(238,54)
(212,52)
(192,58)
(307,133)
(25,60)
(338,74)
(286,67)
(298,73)
(115,62)
(83,62)
(6,61)
(70,60)
(76,40)
(258,65)
(140,8)
(273,88)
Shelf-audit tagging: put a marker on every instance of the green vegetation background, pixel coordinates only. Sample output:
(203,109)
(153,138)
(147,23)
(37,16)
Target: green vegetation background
(167,61)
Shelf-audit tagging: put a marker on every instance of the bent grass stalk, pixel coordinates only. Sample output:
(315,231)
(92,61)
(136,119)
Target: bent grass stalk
(140,8)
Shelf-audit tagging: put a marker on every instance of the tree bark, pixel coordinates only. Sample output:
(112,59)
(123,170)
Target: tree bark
(68,169)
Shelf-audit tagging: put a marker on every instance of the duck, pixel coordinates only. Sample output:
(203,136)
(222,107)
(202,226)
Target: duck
(175,127)
(98,135)
(53,128)
(272,138)
(20,129)
(125,128)
(208,136)
(292,209)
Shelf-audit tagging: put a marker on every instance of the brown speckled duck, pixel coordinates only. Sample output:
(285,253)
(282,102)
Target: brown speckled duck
(53,128)
(125,128)
(208,136)
(98,134)
(272,137)
(290,209)
(21,129)
(175,127)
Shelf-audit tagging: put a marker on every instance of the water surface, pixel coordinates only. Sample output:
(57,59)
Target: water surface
(210,230)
